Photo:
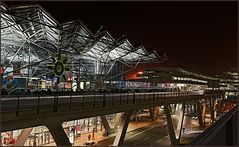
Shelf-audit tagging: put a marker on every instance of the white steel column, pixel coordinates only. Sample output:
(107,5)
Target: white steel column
(119,139)
(23,136)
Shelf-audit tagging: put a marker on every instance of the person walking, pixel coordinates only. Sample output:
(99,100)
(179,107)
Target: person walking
(89,136)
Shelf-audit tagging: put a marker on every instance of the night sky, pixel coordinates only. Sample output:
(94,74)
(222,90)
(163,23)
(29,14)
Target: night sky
(201,36)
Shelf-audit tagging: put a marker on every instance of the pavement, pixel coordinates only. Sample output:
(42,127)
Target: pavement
(99,137)
(154,133)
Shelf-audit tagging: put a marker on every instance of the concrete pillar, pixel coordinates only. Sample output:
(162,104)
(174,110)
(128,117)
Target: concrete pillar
(175,108)
(204,108)
(23,136)
(119,138)
(152,112)
(199,110)
(171,131)
(215,108)
(106,124)
(221,104)
(111,128)
(194,108)
(157,109)
(187,110)
(117,119)
(211,109)
(180,123)
(191,108)
(213,103)
(58,133)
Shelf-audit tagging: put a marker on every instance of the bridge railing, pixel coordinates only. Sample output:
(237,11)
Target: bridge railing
(81,102)
(209,137)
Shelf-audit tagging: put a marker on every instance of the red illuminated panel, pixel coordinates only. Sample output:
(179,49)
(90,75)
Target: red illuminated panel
(1,70)
(133,74)
(140,70)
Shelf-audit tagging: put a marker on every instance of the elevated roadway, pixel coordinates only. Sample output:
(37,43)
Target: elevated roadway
(23,112)
(52,111)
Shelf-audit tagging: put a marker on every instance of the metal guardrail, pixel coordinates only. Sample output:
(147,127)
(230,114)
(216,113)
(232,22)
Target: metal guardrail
(210,132)
(30,111)
(73,102)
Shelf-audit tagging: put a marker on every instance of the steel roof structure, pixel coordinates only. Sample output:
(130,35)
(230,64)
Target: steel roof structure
(29,34)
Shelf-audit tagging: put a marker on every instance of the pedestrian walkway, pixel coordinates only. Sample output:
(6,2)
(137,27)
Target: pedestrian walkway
(99,135)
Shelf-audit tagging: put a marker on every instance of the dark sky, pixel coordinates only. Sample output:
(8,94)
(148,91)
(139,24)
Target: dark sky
(201,36)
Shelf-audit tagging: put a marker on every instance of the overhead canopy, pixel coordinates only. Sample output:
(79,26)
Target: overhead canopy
(30,30)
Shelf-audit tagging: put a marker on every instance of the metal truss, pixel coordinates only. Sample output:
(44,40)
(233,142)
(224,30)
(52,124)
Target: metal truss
(31,36)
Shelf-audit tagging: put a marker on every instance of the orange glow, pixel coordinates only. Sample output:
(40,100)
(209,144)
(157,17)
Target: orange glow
(133,74)
(140,72)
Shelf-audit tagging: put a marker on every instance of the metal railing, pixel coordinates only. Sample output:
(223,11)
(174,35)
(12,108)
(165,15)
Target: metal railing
(89,101)
(207,136)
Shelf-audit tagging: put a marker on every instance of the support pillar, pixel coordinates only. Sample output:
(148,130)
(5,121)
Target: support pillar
(180,123)
(215,108)
(211,109)
(187,108)
(22,138)
(117,120)
(157,109)
(199,110)
(174,140)
(111,128)
(175,108)
(191,108)
(213,104)
(152,112)
(58,134)
(194,109)
(119,138)
(221,104)
(106,124)
(204,108)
